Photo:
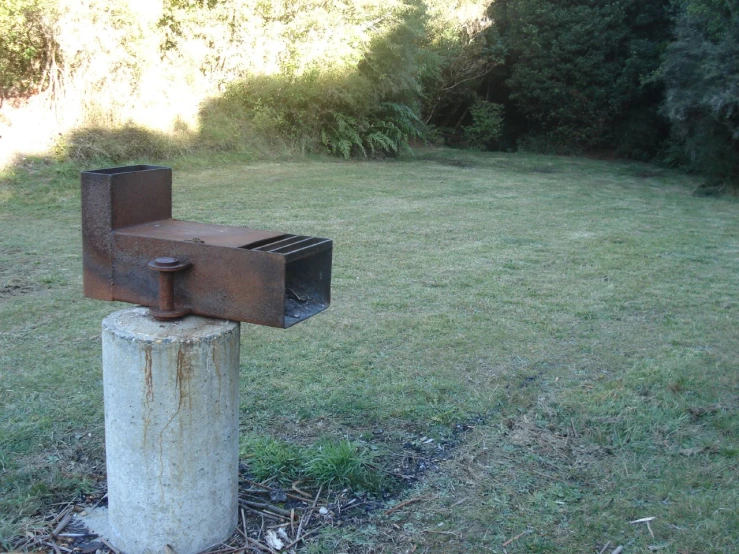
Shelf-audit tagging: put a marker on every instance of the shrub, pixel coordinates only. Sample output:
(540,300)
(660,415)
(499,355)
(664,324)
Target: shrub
(386,131)
(127,143)
(343,114)
(574,69)
(27,47)
(701,74)
(487,124)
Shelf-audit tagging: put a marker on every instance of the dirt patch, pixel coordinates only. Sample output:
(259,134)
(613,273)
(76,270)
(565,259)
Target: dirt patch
(551,441)
(16,287)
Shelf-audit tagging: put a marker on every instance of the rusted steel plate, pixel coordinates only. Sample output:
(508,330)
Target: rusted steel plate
(236,273)
(204,233)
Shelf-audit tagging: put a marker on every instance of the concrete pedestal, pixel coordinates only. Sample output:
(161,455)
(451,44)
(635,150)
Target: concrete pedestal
(171,431)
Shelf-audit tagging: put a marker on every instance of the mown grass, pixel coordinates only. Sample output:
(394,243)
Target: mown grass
(582,312)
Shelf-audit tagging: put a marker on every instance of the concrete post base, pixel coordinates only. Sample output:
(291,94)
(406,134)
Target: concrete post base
(171,431)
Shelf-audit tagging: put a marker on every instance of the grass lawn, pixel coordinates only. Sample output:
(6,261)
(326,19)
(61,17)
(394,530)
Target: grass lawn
(564,330)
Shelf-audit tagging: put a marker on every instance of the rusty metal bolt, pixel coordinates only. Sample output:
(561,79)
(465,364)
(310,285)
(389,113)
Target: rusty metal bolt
(167,267)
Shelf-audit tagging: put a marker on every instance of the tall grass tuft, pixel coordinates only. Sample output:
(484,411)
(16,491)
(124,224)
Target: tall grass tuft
(328,463)
(129,142)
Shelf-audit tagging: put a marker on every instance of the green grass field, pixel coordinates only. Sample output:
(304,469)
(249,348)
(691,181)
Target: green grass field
(563,328)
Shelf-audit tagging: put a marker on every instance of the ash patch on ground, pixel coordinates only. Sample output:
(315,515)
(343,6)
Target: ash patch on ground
(272,517)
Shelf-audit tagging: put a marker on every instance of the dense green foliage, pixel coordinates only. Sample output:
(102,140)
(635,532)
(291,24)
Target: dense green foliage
(573,71)
(487,124)
(645,80)
(701,73)
(561,61)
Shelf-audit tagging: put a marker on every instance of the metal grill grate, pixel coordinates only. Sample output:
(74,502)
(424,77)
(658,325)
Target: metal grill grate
(287,245)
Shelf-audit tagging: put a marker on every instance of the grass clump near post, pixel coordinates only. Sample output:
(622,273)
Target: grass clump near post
(330,463)
(343,464)
(269,458)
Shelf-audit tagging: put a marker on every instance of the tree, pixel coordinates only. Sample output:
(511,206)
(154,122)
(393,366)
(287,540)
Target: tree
(641,131)
(701,75)
(457,59)
(574,69)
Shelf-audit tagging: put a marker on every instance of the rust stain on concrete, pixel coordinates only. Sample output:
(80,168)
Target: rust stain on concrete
(147,375)
(149,396)
(184,379)
(217,366)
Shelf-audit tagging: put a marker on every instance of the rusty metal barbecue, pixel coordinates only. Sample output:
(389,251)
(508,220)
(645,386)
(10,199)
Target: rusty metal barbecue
(133,251)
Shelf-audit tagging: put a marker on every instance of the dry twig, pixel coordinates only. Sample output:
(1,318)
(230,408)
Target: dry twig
(263,514)
(98,502)
(223,550)
(404,504)
(62,524)
(509,541)
(243,522)
(112,548)
(645,520)
(67,509)
(304,536)
(458,502)
(55,546)
(299,491)
(308,514)
(265,506)
(268,488)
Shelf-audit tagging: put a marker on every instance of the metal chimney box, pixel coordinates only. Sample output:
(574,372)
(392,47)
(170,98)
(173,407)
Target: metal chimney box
(133,251)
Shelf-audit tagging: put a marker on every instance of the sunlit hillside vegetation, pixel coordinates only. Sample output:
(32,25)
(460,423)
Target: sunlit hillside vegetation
(235,73)
(123,79)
